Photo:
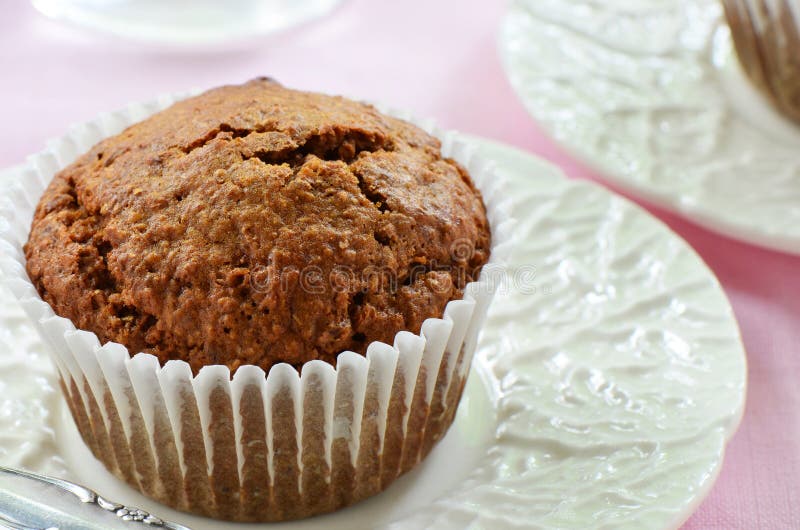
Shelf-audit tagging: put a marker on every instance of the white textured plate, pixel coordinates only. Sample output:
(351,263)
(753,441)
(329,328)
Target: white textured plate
(650,93)
(607,382)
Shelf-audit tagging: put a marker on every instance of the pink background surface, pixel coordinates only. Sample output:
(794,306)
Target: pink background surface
(437,59)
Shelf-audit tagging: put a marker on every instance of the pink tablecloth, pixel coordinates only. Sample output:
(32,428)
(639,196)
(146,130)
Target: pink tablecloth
(435,58)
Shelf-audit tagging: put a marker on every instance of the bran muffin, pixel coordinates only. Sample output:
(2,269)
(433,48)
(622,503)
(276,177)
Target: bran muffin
(232,233)
(255,224)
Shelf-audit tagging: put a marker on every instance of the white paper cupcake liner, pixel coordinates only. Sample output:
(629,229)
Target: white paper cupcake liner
(258,446)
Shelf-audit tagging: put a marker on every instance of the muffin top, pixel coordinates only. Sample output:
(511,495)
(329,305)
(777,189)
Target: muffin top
(254,224)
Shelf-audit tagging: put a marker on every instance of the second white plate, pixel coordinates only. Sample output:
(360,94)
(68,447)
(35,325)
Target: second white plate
(649,92)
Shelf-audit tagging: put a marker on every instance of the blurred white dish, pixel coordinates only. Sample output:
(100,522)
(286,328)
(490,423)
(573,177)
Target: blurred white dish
(649,92)
(607,382)
(190,24)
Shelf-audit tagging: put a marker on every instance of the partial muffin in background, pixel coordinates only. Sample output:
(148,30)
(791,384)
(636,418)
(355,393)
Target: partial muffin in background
(766,35)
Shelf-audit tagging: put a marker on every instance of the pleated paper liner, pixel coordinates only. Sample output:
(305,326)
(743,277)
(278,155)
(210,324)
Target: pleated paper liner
(257,446)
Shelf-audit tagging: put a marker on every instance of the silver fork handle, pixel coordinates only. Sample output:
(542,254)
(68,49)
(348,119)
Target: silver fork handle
(135,516)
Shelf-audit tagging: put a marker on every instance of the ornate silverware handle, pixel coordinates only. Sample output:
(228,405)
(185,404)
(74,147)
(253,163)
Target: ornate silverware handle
(135,516)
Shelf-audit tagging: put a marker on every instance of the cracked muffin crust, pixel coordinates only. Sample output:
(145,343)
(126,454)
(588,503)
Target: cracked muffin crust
(254,224)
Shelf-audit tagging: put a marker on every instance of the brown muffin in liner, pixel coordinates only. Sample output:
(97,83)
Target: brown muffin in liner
(257,446)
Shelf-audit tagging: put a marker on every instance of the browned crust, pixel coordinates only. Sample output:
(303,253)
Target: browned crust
(254,224)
